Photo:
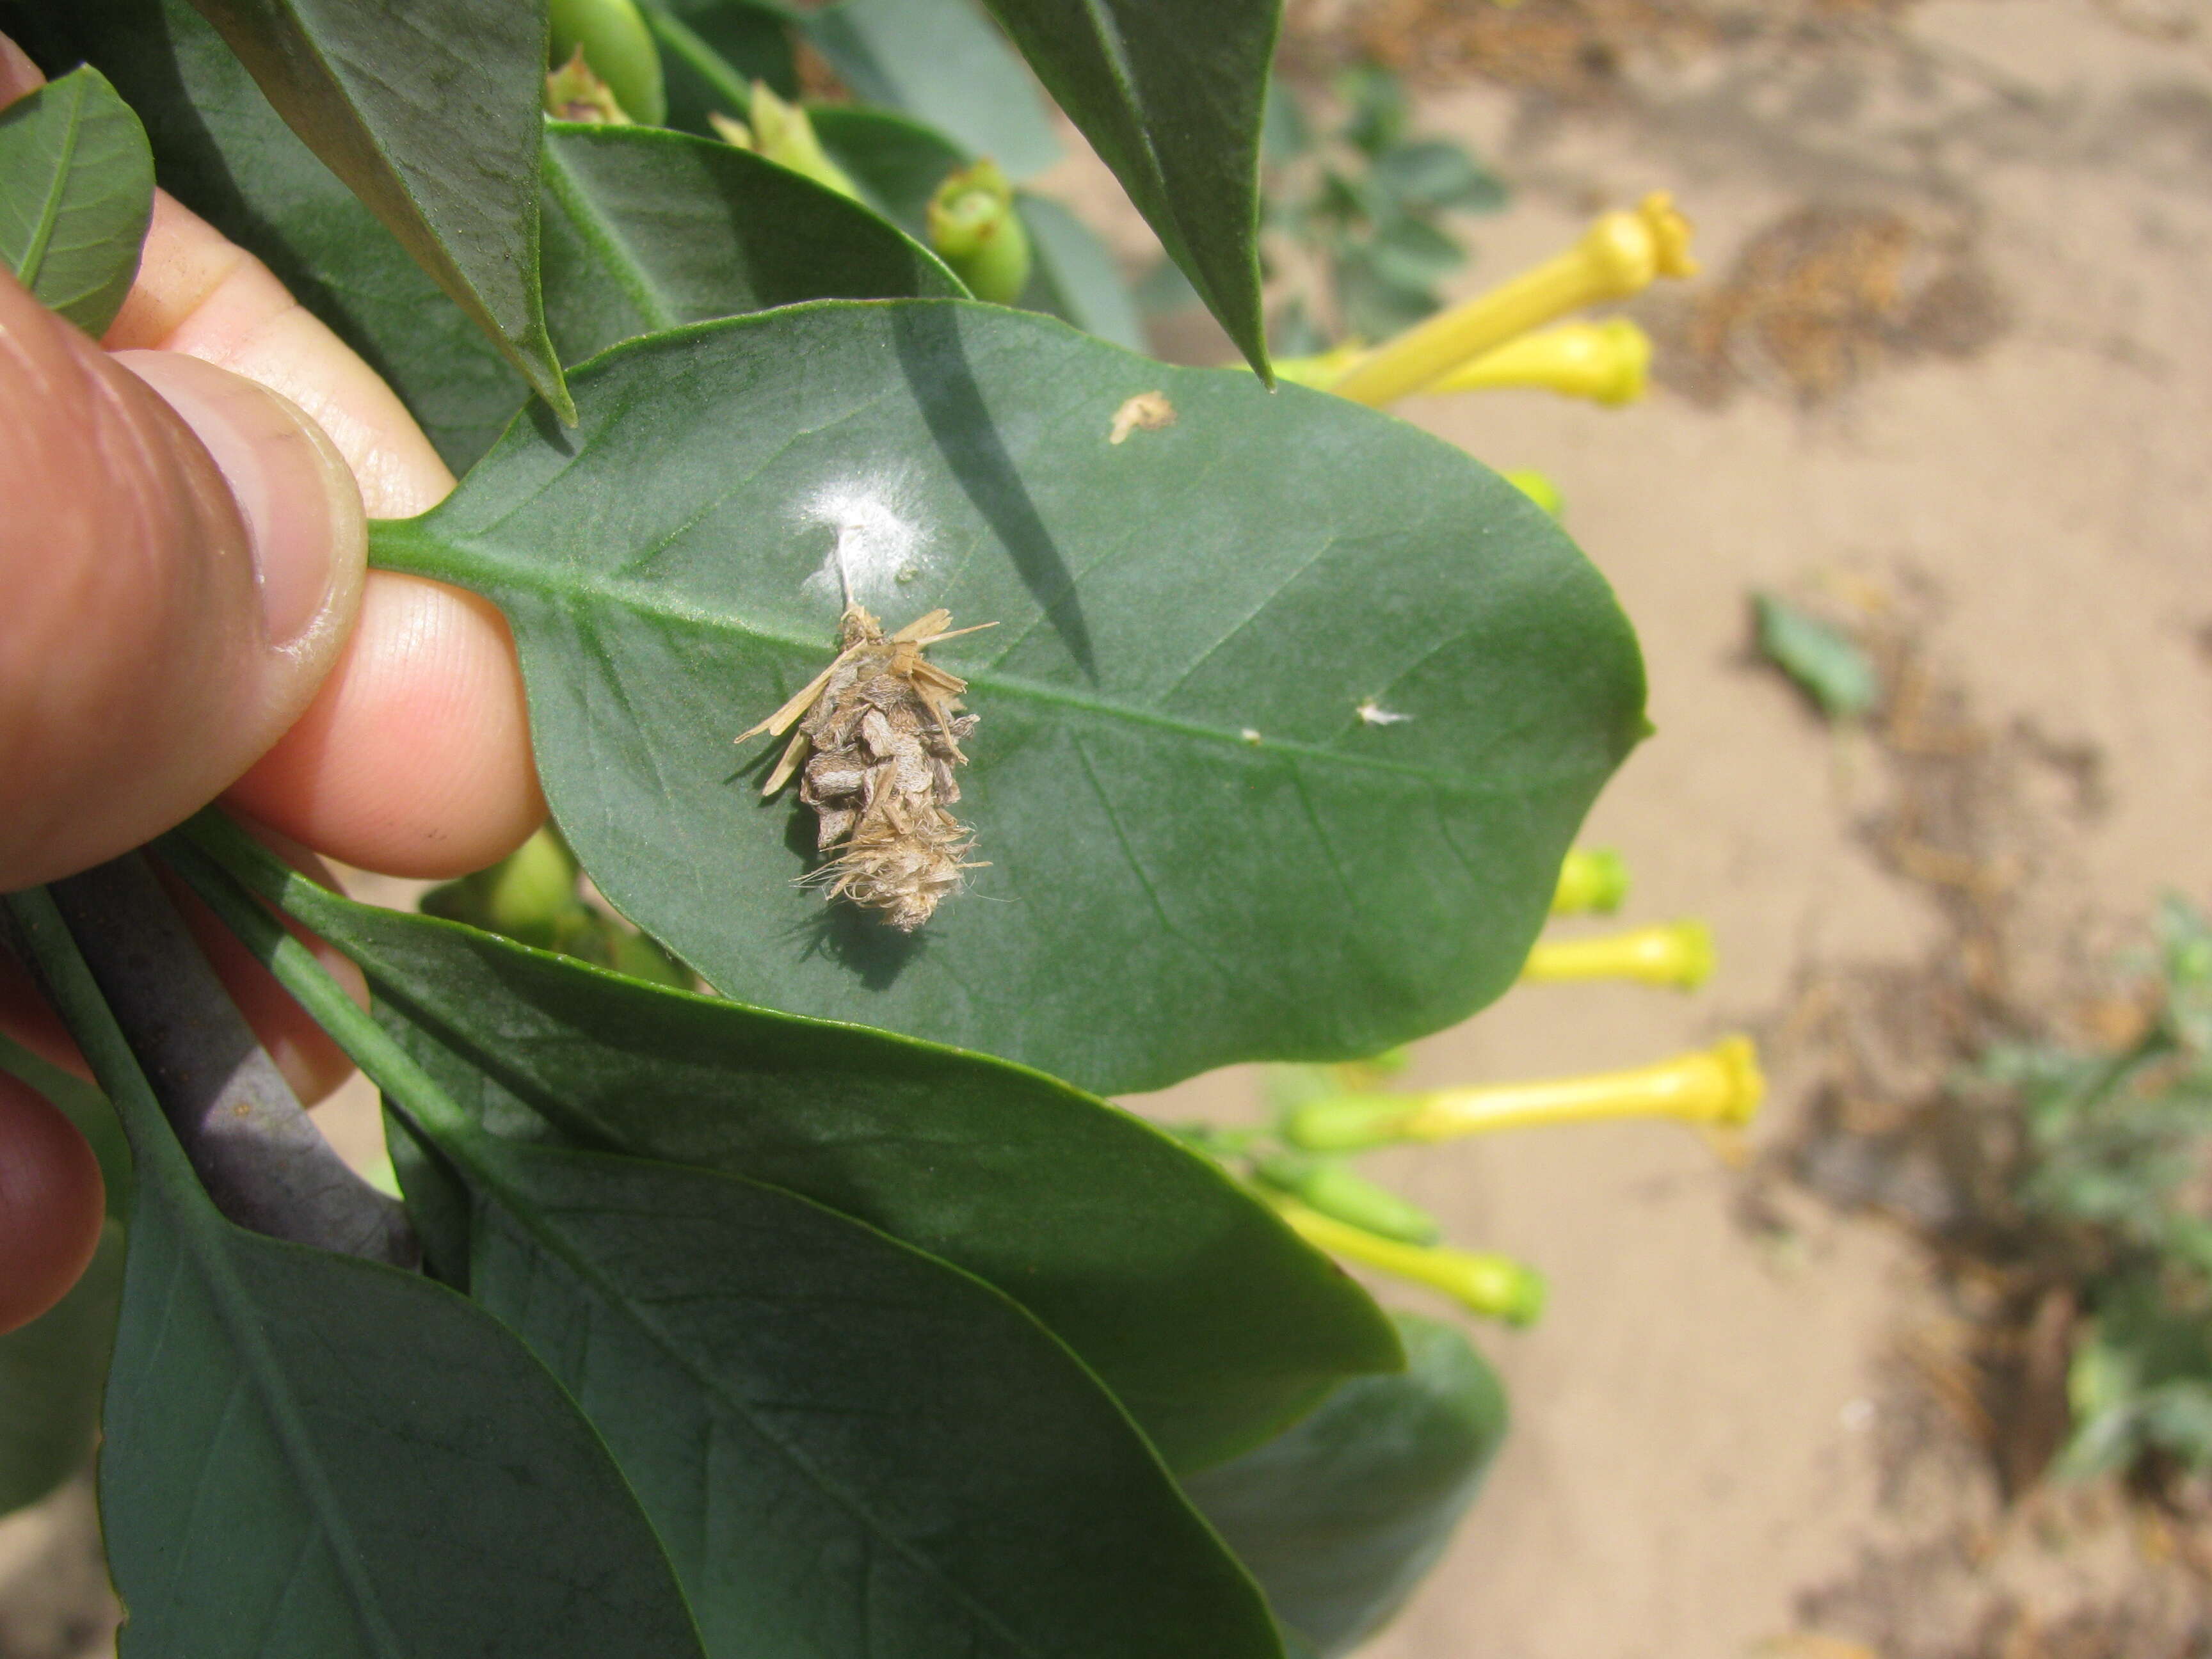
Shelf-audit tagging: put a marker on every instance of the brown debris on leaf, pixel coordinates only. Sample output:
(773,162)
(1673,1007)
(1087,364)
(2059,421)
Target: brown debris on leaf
(878,735)
(1148,411)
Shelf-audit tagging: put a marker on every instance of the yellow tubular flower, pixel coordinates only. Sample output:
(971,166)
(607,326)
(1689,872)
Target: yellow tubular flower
(1591,879)
(1719,1085)
(1607,362)
(1496,1287)
(1679,954)
(1618,257)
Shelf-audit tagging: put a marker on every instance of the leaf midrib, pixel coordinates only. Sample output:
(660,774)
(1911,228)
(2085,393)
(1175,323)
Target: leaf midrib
(483,570)
(599,235)
(34,252)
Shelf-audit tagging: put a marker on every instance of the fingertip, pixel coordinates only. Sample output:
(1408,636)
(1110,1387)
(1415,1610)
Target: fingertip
(414,760)
(51,1203)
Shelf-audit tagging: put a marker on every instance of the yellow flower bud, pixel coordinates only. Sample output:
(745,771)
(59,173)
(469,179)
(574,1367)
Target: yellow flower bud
(1672,953)
(1592,879)
(1619,256)
(1607,362)
(1719,1085)
(1496,1287)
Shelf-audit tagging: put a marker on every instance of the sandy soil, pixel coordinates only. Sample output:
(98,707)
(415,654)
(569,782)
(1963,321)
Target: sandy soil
(1747,1424)
(1733,1433)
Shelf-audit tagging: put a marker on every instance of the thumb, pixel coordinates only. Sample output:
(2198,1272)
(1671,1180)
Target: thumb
(180,559)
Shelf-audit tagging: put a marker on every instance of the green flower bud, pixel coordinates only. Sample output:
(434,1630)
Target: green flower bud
(616,42)
(1538,488)
(975,228)
(1592,879)
(1480,1281)
(573,92)
(783,133)
(1333,1189)
(1348,1122)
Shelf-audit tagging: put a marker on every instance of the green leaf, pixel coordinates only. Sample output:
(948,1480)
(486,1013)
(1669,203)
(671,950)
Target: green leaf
(848,1446)
(1174,108)
(1342,1517)
(1164,893)
(431,113)
(1824,661)
(222,151)
(647,230)
(76,190)
(1436,173)
(748,231)
(51,1374)
(939,62)
(311,1453)
(1208,1318)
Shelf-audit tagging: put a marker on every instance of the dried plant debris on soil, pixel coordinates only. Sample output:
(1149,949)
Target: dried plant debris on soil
(1571,50)
(1823,296)
(1983,1554)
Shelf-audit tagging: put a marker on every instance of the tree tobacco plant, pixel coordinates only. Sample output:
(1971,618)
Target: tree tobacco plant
(828,1309)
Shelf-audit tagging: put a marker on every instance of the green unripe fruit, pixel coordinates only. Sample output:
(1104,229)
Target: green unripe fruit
(529,896)
(1329,1187)
(618,45)
(532,892)
(974,228)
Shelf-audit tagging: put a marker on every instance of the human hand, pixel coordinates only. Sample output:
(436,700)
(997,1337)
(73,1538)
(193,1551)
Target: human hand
(186,616)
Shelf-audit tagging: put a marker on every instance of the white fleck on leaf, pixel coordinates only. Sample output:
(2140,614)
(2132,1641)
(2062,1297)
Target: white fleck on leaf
(1373,713)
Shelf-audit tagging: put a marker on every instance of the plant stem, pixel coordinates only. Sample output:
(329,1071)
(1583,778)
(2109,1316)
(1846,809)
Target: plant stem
(263,1162)
(368,1044)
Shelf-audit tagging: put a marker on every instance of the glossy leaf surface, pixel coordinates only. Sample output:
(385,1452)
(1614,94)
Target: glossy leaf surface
(311,1454)
(1342,1515)
(849,1448)
(1201,849)
(431,113)
(1208,1318)
(1172,102)
(51,1371)
(940,62)
(646,230)
(76,188)
(742,233)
